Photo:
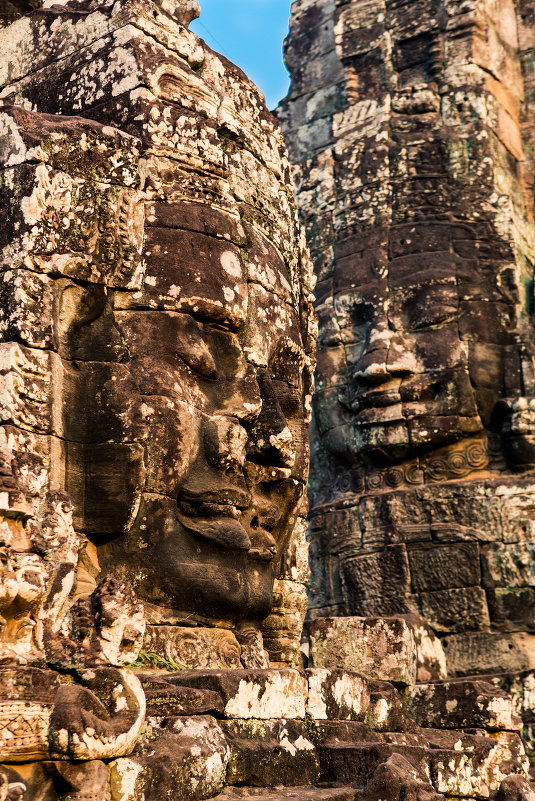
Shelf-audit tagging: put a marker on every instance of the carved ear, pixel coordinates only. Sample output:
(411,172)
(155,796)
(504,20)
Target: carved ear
(77,307)
(85,326)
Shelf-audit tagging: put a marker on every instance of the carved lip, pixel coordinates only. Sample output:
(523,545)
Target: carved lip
(379,415)
(214,501)
(377,399)
(215,516)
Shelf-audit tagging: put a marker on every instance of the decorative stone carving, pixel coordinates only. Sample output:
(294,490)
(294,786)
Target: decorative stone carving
(410,134)
(177,358)
(156,358)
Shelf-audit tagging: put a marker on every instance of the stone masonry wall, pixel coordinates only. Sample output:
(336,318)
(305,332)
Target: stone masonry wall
(410,127)
(156,352)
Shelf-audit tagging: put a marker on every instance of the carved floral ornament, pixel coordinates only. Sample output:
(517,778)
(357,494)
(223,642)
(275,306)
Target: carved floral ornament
(461,461)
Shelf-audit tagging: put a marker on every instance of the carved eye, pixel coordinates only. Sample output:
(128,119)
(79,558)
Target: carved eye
(429,312)
(431,306)
(331,338)
(199,359)
(432,316)
(362,314)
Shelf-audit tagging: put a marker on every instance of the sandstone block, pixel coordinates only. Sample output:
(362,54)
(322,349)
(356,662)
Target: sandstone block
(27,698)
(270,752)
(506,564)
(512,608)
(336,695)
(165,699)
(262,694)
(459,609)
(287,794)
(431,659)
(386,712)
(379,648)
(461,704)
(79,781)
(186,759)
(488,652)
(515,788)
(398,777)
(377,582)
(445,566)
(194,648)
(333,732)
(466,765)
(355,762)
(521,687)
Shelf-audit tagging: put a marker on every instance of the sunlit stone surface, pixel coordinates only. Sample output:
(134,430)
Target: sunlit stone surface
(410,125)
(156,371)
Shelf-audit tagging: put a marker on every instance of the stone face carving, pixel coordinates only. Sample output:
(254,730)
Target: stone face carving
(156,353)
(155,373)
(410,134)
(161,291)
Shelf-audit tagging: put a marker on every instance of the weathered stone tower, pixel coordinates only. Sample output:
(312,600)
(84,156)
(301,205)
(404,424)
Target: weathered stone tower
(411,125)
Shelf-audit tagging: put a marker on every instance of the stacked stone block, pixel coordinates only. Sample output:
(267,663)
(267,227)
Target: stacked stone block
(409,126)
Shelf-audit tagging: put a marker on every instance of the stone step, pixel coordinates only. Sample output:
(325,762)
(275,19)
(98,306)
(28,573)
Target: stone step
(461,704)
(456,763)
(355,762)
(270,752)
(301,793)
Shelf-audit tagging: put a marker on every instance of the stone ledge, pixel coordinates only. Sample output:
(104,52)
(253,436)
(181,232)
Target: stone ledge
(261,694)
(461,704)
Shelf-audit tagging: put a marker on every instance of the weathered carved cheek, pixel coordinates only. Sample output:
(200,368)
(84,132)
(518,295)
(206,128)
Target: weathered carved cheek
(244,401)
(270,439)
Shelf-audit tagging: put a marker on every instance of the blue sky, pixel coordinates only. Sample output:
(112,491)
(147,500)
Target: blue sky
(249,33)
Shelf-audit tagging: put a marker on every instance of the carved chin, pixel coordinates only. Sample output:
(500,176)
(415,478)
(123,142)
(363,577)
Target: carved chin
(392,441)
(382,441)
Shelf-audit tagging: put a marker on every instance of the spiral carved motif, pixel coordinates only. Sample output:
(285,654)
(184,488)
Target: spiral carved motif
(445,466)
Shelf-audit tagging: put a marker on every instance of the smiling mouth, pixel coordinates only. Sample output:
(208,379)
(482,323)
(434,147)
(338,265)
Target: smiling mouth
(380,415)
(216,517)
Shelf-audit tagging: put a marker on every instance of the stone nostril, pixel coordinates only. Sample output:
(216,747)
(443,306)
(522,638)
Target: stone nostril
(373,374)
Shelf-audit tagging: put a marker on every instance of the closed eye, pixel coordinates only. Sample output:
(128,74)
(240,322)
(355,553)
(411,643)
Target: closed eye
(431,317)
(200,361)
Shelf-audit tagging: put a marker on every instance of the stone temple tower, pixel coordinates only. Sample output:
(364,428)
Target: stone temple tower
(157,346)
(410,125)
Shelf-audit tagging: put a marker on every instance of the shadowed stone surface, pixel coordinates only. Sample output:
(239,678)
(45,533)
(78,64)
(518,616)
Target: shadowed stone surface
(158,331)
(156,358)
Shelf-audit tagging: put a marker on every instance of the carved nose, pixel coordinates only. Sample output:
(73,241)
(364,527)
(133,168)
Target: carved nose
(384,359)
(372,370)
(224,441)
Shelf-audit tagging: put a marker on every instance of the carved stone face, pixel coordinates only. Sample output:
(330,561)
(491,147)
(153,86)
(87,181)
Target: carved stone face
(179,329)
(215,396)
(420,355)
